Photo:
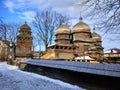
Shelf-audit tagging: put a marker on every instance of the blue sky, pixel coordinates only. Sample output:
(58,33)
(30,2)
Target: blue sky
(21,10)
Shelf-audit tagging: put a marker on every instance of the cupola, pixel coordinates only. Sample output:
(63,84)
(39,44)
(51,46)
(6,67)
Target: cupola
(96,36)
(25,26)
(81,27)
(62,29)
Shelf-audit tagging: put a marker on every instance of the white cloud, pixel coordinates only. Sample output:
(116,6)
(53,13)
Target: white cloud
(24,8)
(28,15)
(66,7)
(10,5)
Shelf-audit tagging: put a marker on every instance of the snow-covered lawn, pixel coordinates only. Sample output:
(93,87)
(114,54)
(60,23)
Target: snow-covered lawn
(11,78)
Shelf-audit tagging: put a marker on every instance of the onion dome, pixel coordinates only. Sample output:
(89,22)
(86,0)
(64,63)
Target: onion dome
(62,29)
(25,26)
(96,36)
(81,27)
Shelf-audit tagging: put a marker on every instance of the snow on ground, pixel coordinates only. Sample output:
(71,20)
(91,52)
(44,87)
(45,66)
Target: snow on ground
(11,78)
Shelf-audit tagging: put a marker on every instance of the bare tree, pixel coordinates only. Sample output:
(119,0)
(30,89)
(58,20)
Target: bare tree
(3,30)
(8,31)
(36,42)
(107,12)
(12,31)
(46,23)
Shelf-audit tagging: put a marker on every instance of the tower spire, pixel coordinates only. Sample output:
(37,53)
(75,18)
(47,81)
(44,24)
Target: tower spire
(62,22)
(25,22)
(80,17)
(94,29)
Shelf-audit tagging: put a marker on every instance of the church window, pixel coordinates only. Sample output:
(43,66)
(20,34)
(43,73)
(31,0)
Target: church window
(57,47)
(65,47)
(74,48)
(69,47)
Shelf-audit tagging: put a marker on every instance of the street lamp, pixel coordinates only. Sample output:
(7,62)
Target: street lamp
(10,55)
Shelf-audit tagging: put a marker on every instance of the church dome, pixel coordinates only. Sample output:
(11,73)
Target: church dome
(96,36)
(81,27)
(25,26)
(62,29)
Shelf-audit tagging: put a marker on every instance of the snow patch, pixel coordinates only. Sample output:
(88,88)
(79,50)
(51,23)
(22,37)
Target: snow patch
(11,78)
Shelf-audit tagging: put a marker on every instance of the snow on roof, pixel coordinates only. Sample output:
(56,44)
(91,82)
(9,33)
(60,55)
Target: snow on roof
(84,58)
(51,45)
(112,50)
(93,68)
